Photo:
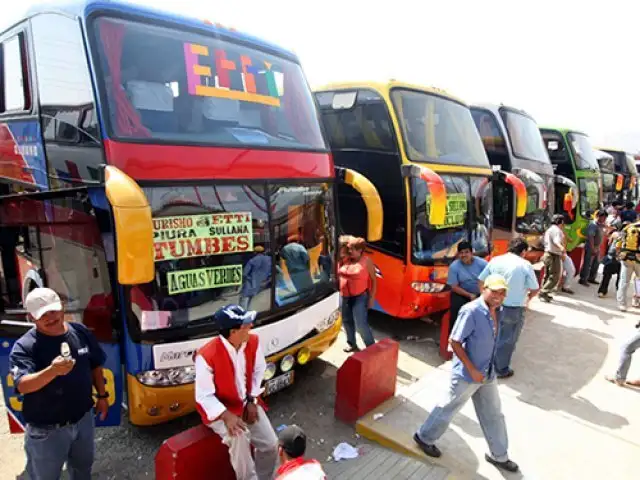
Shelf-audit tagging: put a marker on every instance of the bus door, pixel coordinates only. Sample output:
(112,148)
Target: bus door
(55,240)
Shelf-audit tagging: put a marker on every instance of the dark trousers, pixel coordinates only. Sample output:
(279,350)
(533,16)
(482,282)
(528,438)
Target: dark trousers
(457,301)
(609,271)
(552,271)
(589,265)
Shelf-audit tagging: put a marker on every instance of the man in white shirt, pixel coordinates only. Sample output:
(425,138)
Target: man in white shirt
(229,372)
(553,253)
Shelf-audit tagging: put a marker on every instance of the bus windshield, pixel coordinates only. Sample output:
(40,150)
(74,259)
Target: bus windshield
(260,247)
(589,196)
(166,85)
(583,152)
(524,135)
(438,130)
(469,203)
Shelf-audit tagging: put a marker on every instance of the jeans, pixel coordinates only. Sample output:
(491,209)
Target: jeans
(627,269)
(627,351)
(590,265)
(48,449)
(569,272)
(245,301)
(354,315)
(510,328)
(486,401)
(552,270)
(609,271)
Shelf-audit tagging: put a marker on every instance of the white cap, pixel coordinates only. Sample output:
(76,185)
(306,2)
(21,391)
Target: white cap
(42,300)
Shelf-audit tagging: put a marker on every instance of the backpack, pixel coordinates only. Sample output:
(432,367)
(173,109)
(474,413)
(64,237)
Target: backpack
(629,243)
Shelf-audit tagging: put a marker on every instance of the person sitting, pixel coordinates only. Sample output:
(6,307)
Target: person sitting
(628,214)
(292,444)
(463,279)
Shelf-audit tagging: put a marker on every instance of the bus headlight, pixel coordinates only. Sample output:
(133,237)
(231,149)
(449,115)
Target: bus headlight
(167,377)
(328,322)
(270,371)
(428,287)
(303,356)
(287,363)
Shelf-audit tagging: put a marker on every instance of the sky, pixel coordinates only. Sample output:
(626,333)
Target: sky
(566,62)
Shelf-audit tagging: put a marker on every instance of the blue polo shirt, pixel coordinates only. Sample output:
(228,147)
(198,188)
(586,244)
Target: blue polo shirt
(475,330)
(68,397)
(519,275)
(466,276)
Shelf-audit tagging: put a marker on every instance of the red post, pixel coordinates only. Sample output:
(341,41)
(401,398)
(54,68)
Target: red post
(365,380)
(444,335)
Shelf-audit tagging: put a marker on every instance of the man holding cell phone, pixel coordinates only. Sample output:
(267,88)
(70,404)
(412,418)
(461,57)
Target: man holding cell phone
(55,366)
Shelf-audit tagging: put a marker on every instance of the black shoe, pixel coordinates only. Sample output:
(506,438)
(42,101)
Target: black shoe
(508,465)
(585,283)
(545,297)
(594,282)
(506,375)
(568,290)
(351,349)
(430,450)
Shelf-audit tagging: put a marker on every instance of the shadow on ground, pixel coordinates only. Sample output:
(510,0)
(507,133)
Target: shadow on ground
(553,362)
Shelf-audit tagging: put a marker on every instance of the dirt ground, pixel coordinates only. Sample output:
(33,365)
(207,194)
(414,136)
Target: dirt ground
(127,452)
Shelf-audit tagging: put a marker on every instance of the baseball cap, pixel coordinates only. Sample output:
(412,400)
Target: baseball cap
(233,316)
(293,441)
(42,300)
(495,282)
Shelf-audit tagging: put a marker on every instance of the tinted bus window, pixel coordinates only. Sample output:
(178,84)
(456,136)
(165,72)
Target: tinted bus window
(14,86)
(169,85)
(525,137)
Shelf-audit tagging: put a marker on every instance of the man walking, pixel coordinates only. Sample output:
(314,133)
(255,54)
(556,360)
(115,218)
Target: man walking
(553,252)
(473,341)
(229,372)
(594,234)
(292,444)
(627,351)
(628,249)
(463,278)
(523,286)
(55,366)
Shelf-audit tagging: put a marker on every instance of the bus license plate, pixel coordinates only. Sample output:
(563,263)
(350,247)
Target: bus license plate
(276,384)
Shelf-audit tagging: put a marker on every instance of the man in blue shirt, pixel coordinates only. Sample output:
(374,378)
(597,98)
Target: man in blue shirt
(256,276)
(523,286)
(473,341)
(463,278)
(55,366)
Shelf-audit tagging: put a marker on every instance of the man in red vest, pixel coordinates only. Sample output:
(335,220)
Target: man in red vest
(229,372)
(293,465)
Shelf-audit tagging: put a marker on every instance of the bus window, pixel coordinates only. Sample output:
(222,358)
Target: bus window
(558,154)
(15,86)
(503,208)
(492,138)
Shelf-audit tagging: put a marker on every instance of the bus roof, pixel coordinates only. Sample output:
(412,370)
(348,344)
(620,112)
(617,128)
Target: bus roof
(564,131)
(614,150)
(385,86)
(495,108)
(84,8)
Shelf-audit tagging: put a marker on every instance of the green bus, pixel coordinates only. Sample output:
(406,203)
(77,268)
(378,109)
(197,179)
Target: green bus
(572,156)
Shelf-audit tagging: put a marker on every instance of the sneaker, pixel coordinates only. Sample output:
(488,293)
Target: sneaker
(508,374)
(507,465)
(601,295)
(568,290)
(611,379)
(429,449)
(635,303)
(351,349)
(622,308)
(545,297)
(584,283)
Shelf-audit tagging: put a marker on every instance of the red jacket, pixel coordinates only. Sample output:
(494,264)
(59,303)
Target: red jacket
(218,359)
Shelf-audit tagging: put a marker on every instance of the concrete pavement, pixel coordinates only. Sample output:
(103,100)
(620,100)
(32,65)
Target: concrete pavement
(564,420)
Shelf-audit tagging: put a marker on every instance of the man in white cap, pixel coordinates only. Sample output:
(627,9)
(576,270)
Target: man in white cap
(229,372)
(55,366)
(474,344)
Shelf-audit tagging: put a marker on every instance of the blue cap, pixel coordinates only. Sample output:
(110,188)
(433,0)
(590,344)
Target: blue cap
(233,316)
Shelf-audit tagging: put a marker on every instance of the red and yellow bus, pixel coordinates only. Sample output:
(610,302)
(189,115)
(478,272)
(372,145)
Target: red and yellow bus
(155,168)
(421,149)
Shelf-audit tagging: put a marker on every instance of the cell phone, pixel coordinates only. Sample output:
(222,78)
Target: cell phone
(65,351)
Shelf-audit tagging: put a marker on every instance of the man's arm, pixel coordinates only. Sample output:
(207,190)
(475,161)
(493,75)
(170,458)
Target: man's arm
(33,382)
(258,373)
(23,369)
(205,390)
(458,349)
(462,292)
(462,328)
(374,282)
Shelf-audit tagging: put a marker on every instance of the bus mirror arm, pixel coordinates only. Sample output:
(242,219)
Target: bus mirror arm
(371,199)
(437,191)
(520,190)
(133,228)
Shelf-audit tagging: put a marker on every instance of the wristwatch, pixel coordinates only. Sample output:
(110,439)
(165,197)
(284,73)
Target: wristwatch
(105,395)
(251,399)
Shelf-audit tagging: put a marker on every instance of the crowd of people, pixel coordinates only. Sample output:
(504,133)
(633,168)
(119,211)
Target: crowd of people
(56,365)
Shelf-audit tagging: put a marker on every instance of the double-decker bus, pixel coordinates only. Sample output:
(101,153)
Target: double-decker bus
(420,148)
(154,168)
(626,173)
(513,143)
(612,182)
(572,156)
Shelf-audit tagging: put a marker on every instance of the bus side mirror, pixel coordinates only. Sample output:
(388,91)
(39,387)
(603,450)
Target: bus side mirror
(519,189)
(371,199)
(133,228)
(437,191)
